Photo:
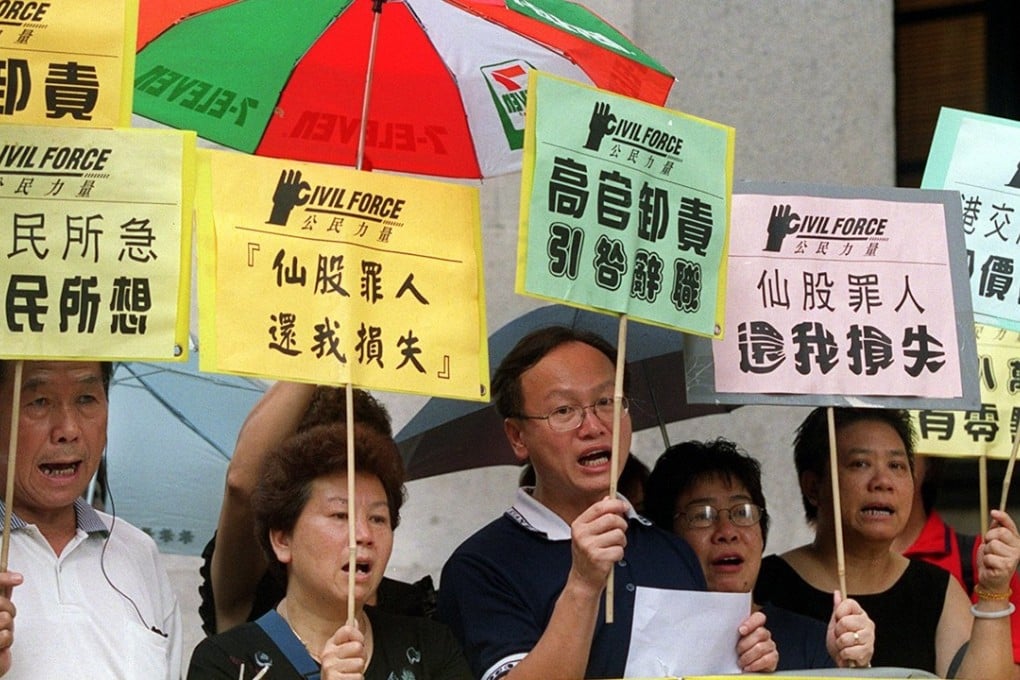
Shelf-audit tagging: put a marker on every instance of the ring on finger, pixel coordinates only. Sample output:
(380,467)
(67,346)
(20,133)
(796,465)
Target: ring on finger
(857,638)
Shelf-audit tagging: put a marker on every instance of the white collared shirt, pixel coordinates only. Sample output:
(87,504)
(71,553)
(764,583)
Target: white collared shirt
(72,622)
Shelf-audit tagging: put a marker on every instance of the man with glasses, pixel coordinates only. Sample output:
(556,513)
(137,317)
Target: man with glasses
(709,493)
(524,594)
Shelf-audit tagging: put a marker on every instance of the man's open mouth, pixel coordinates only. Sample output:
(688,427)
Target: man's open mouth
(60,469)
(595,459)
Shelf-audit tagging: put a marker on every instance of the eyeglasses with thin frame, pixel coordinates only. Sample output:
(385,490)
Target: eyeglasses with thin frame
(569,417)
(705,516)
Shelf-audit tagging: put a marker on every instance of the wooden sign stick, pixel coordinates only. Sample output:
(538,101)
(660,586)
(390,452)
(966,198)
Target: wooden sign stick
(352,527)
(1009,475)
(983,491)
(614,458)
(836,509)
(12,459)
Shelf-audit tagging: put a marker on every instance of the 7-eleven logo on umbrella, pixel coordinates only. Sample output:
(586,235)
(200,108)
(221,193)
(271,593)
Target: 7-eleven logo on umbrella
(508,84)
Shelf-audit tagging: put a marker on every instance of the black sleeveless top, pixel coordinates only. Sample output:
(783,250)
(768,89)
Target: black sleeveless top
(906,615)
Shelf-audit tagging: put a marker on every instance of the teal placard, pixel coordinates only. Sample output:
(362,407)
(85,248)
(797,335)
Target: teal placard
(625,207)
(979,156)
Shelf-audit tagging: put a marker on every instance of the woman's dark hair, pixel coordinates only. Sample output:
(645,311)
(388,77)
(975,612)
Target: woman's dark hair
(529,350)
(683,465)
(811,444)
(289,470)
(328,406)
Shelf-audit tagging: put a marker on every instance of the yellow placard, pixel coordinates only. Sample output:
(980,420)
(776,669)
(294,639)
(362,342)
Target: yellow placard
(988,431)
(96,247)
(67,63)
(330,275)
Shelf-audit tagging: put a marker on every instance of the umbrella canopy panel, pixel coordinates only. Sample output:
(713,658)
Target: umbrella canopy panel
(171,434)
(448,85)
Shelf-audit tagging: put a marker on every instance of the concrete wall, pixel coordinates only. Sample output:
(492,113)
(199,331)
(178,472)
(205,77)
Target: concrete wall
(808,85)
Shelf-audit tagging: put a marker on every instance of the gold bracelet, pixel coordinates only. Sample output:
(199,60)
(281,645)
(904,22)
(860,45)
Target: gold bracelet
(989,595)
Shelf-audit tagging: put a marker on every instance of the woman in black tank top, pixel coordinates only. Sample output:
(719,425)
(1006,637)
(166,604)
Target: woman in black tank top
(923,619)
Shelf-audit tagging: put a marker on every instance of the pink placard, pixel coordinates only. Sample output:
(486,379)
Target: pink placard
(848,296)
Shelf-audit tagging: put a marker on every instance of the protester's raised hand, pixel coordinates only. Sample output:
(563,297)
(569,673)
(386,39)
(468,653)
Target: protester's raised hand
(8,580)
(850,638)
(598,537)
(756,650)
(343,657)
(998,554)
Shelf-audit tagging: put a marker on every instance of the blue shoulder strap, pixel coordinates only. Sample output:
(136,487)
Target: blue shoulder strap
(277,629)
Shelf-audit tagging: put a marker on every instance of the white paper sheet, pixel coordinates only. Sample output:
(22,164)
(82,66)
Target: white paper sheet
(685,632)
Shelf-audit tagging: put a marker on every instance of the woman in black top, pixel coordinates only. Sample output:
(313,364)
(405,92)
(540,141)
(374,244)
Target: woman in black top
(302,512)
(923,619)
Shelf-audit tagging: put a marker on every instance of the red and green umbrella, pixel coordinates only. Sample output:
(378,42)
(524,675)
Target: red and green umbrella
(287,79)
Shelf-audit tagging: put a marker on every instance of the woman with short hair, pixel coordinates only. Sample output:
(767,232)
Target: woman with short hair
(302,510)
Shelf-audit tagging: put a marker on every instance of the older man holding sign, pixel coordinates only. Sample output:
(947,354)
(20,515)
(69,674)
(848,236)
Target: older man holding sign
(87,595)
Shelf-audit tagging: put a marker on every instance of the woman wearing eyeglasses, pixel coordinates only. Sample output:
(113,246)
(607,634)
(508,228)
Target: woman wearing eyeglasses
(709,493)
